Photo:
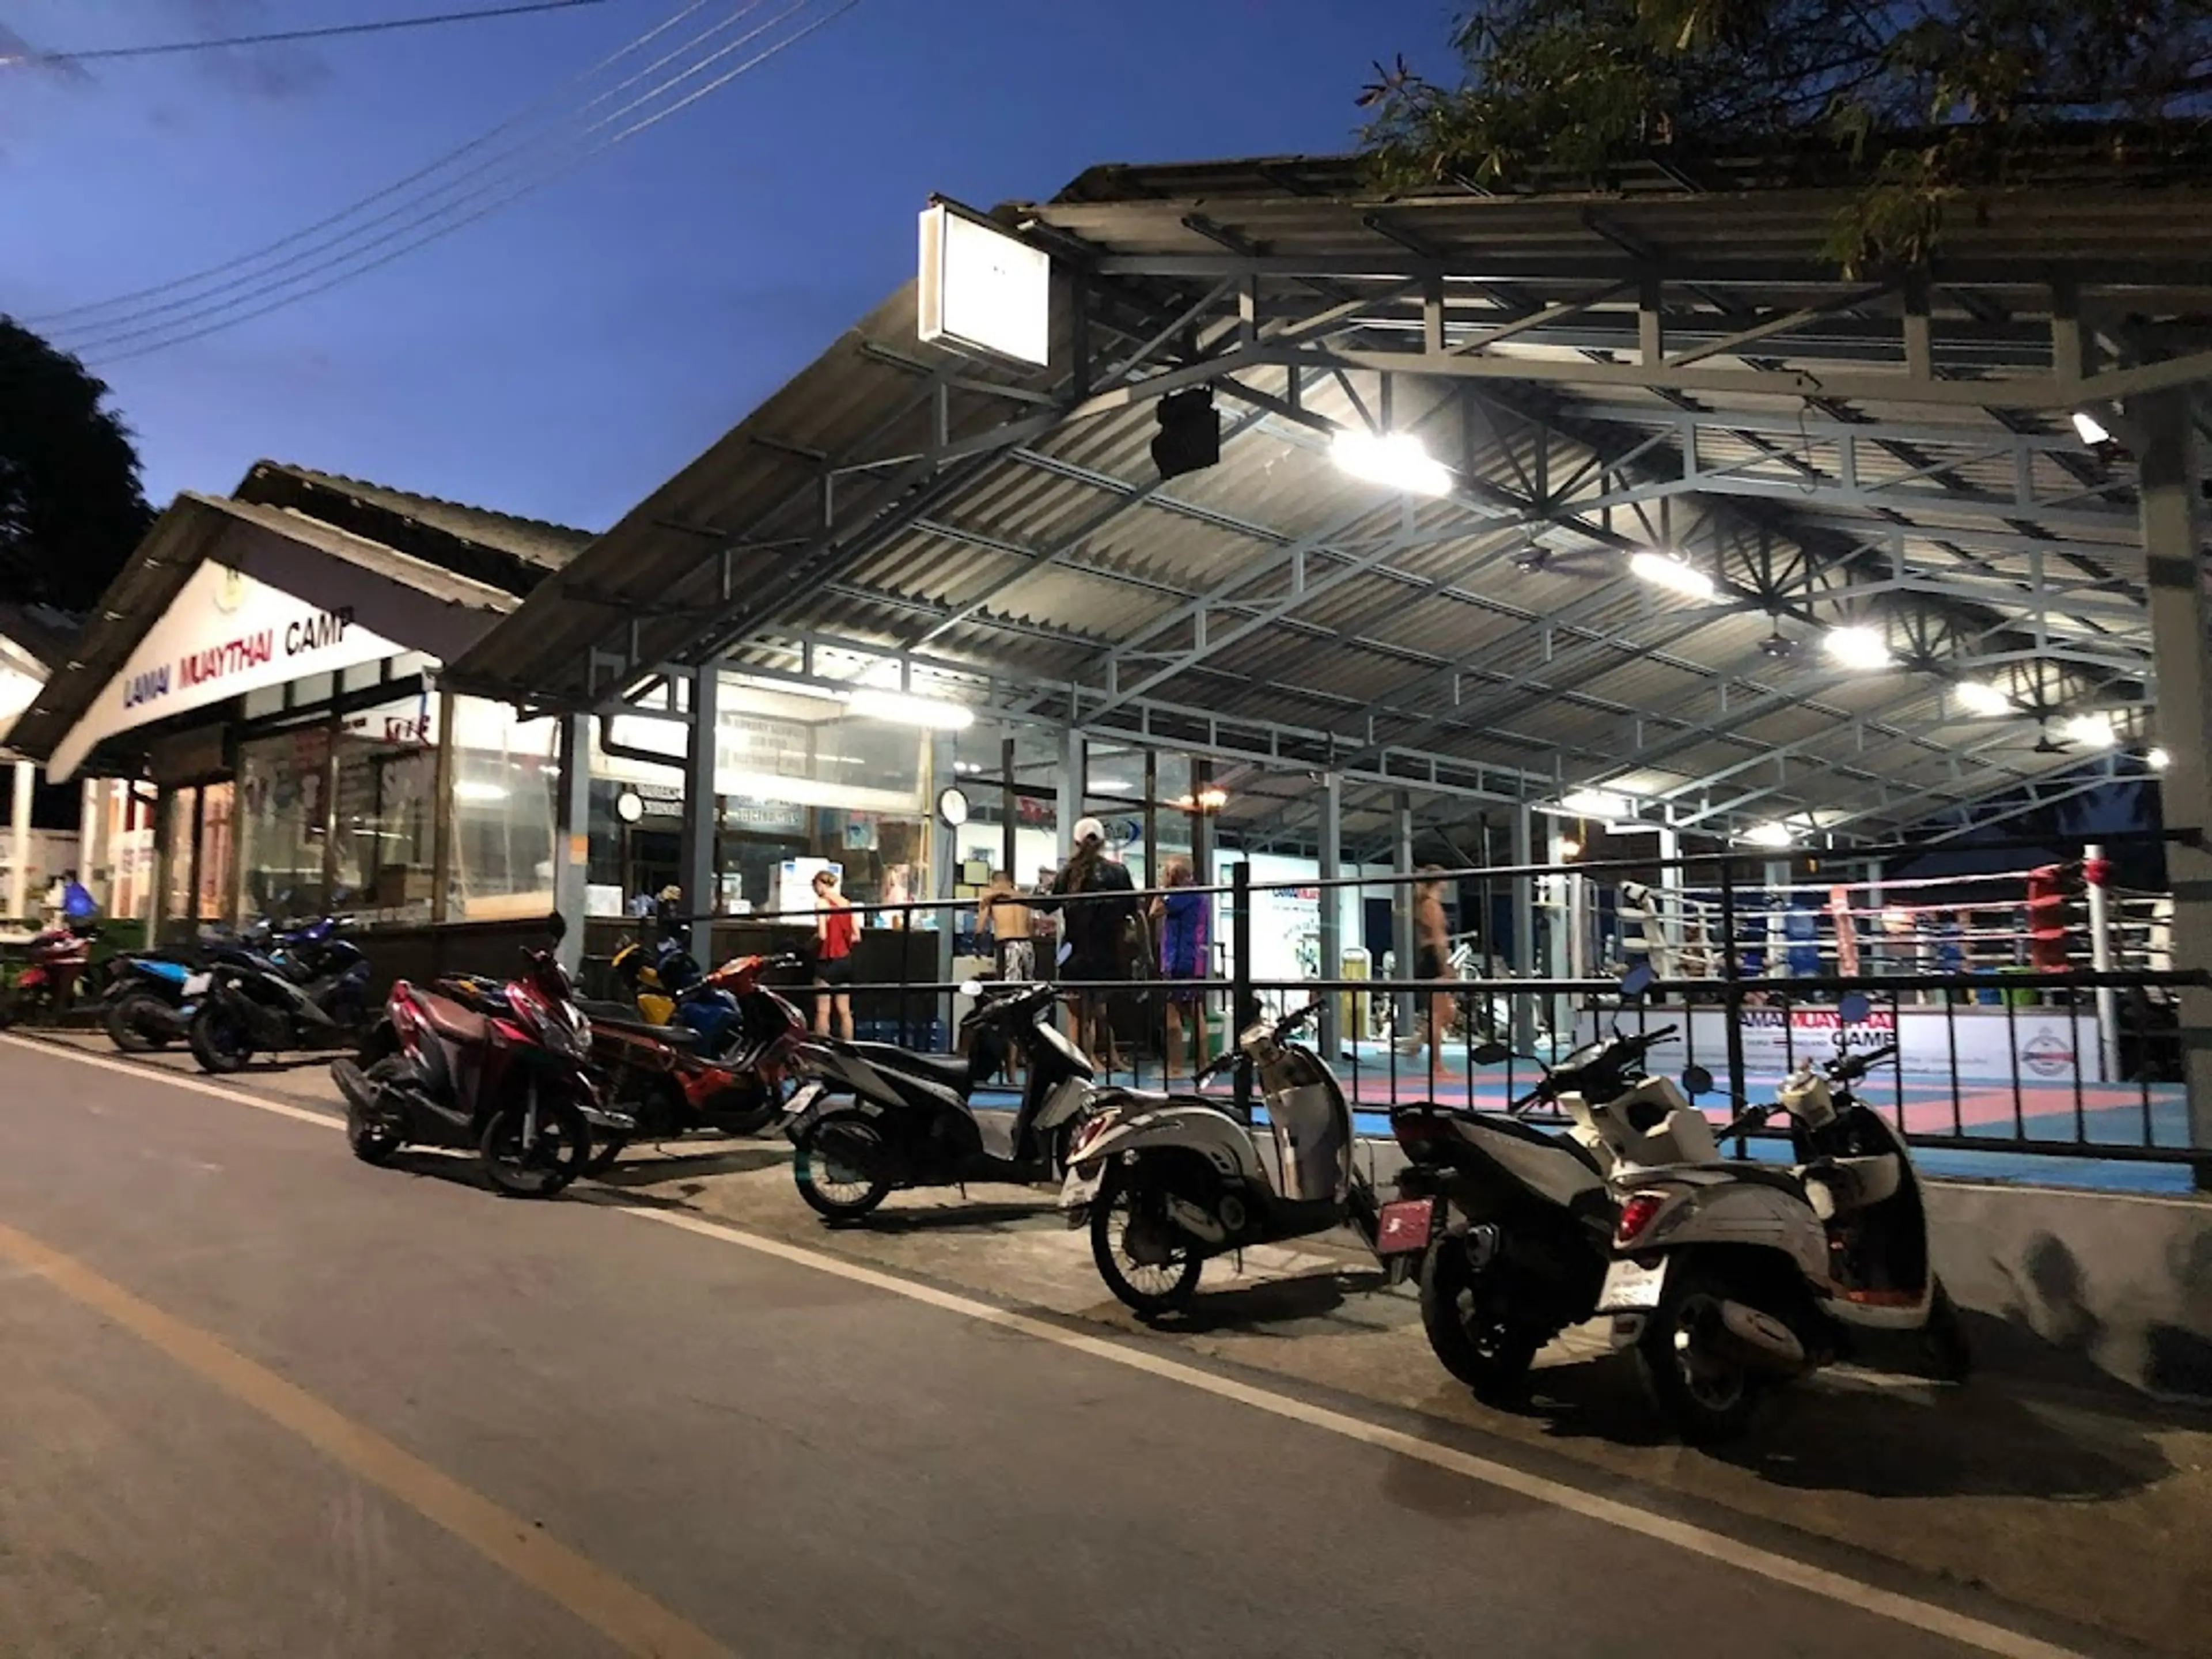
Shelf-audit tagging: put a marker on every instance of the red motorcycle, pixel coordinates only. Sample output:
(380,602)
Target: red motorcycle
(514,1085)
(47,985)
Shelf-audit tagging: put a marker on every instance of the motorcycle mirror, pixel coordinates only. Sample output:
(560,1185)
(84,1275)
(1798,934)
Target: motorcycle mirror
(1697,1080)
(971,987)
(1489,1054)
(1855,1007)
(1637,981)
(558,926)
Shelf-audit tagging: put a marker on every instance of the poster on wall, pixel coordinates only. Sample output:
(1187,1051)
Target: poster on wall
(1975,1044)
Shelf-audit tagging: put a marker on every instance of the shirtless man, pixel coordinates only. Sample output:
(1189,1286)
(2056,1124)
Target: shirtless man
(1431,961)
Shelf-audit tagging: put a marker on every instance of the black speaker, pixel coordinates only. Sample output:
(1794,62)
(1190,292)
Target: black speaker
(1189,438)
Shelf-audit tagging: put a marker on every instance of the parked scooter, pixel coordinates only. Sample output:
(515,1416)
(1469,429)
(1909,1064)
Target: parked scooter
(1172,1182)
(152,996)
(1734,1277)
(513,1087)
(319,999)
(47,986)
(871,1117)
(1510,1227)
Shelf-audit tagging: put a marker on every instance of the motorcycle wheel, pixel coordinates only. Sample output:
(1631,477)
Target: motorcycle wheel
(1708,1399)
(218,1041)
(1168,1284)
(834,1188)
(564,1142)
(125,1029)
(1491,1356)
(1950,1356)
(374,1143)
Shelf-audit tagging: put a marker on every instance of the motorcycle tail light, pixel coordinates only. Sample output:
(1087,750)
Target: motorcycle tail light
(1636,1216)
(1416,1130)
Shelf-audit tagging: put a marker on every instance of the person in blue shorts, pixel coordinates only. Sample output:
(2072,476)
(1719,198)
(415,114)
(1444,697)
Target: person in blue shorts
(1180,917)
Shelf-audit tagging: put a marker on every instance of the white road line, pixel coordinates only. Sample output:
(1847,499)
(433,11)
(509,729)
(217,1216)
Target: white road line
(1927,1616)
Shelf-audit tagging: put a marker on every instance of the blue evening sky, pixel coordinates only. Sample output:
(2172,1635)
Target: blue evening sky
(563,356)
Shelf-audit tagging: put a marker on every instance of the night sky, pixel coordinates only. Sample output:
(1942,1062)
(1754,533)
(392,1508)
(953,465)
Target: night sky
(562,357)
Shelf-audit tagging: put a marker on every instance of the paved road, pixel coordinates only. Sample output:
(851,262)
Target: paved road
(261,1399)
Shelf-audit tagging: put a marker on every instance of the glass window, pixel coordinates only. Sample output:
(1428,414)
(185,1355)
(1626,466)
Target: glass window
(176,894)
(387,783)
(280,823)
(217,808)
(505,772)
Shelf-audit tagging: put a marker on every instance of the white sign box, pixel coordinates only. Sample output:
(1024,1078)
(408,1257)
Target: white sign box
(225,633)
(984,290)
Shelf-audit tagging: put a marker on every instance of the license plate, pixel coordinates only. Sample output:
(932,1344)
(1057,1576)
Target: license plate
(1406,1225)
(1080,1189)
(1632,1288)
(802,1100)
(197,985)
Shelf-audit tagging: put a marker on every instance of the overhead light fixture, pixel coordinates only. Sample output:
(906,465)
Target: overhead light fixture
(1570,847)
(1395,460)
(2092,729)
(905,708)
(1778,645)
(1772,834)
(1189,438)
(2158,760)
(1675,575)
(1111,786)
(2092,430)
(1213,799)
(1856,647)
(1531,559)
(1597,804)
(1980,697)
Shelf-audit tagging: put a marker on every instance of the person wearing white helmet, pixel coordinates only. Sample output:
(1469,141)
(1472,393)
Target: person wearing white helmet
(1097,901)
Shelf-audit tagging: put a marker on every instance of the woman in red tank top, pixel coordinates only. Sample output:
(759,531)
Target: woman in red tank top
(837,930)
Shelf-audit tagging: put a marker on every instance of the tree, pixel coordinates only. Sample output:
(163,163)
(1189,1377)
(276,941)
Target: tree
(71,509)
(1918,100)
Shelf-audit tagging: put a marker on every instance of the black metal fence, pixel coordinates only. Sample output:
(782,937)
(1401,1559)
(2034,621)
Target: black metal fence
(2060,1037)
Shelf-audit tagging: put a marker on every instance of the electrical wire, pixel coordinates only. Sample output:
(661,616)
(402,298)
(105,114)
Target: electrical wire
(524,189)
(320,256)
(34,60)
(488,137)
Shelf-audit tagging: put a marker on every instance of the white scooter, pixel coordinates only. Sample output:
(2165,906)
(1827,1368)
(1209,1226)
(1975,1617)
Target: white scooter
(1733,1276)
(1166,1185)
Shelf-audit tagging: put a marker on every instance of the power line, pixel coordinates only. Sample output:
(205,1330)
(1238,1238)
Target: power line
(287,292)
(283,36)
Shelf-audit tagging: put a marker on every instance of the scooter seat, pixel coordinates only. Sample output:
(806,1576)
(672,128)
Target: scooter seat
(1767,1175)
(675,1036)
(949,1070)
(610,1013)
(449,1019)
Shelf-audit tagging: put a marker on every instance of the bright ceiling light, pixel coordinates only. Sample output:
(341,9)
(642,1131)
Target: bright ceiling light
(1980,697)
(1675,575)
(1856,647)
(1597,804)
(2092,430)
(1570,847)
(1773,834)
(2092,729)
(1395,460)
(2158,760)
(904,709)
(1111,786)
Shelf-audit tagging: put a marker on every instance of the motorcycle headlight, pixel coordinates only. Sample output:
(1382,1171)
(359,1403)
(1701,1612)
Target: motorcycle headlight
(583,1034)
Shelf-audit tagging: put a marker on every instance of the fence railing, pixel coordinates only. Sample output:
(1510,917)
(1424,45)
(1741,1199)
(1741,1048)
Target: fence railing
(2024,1046)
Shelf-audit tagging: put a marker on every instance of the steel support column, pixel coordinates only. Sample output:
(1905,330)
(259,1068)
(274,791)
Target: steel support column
(2181,622)
(1073,762)
(1332,911)
(19,843)
(1524,925)
(696,849)
(1402,913)
(571,836)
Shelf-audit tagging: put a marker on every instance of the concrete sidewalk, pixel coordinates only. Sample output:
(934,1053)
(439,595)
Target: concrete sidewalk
(2052,1487)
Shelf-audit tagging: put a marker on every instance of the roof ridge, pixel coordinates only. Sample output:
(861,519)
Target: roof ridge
(317,475)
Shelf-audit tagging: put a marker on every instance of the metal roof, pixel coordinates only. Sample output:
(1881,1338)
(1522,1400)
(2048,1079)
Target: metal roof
(1661,366)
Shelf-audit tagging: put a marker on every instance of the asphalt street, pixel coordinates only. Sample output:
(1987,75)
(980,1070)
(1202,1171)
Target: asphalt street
(264,1400)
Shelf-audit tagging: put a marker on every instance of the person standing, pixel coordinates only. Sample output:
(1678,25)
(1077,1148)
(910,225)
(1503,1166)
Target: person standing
(1431,961)
(837,930)
(1007,920)
(1096,901)
(1181,916)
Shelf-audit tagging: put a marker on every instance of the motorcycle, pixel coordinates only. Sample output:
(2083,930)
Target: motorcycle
(728,1073)
(1510,1227)
(317,999)
(1172,1182)
(871,1117)
(152,996)
(47,985)
(1731,1277)
(513,1087)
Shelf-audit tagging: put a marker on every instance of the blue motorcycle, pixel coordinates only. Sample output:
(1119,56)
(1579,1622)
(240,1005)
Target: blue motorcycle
(151,995)
(315,998)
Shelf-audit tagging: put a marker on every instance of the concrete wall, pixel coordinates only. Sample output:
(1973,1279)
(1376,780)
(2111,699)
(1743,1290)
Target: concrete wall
(2121,1282)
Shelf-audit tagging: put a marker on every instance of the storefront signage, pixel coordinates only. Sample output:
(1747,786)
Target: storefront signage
(1977,1044)
(224,633)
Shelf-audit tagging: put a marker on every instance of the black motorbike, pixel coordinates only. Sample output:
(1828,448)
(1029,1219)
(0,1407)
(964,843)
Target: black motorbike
(319,999)
(869,1117)
(151,996)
